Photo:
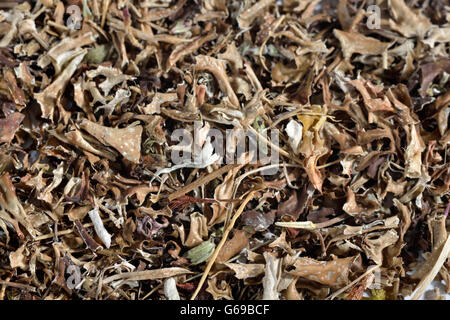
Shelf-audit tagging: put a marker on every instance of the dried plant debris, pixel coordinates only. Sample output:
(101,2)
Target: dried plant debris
(258,149)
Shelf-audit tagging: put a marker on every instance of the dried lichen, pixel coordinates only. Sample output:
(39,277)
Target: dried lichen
(350,203)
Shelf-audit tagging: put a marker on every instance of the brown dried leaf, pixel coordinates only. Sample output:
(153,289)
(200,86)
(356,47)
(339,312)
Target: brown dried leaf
(198,230)
(376,242)
(331,273)
(356,43)
(127,141)
(407,21)
(218,68)
(9,126)
(232,246)
(244,271)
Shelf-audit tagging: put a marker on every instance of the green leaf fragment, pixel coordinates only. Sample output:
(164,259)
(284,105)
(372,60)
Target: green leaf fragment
(98,54)
(148,145)
(181,26)
(200,253)
(259,126)
(86,11)
(378,294)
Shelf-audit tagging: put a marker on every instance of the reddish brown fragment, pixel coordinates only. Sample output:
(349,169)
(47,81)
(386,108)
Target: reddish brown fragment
(88,240)
(9,126)
(16,92)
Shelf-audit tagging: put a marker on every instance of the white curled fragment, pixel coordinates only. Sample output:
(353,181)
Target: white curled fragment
(308,225)
(205,158)
(271,277)
(294,130)
(170,289)
(99,227)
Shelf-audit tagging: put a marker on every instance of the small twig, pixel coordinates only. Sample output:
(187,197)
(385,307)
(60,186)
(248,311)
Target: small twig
(437,263)
(105,11)
(252,249)
(58,26)
(60,233)
(244,175)
(328,164)
(270,35)
(287,178)
(184,201)
(17,285)
(147,274)
(4,245)
(351,284)
(273,146)
(447,210)
(9,4)
(222,242)
(201,181)
(153,291)
(193,278)
(307,225)
(331,221)
(3,290)
(65,232)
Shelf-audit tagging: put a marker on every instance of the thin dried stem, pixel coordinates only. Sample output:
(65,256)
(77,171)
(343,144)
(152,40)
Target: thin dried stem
(222,242)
